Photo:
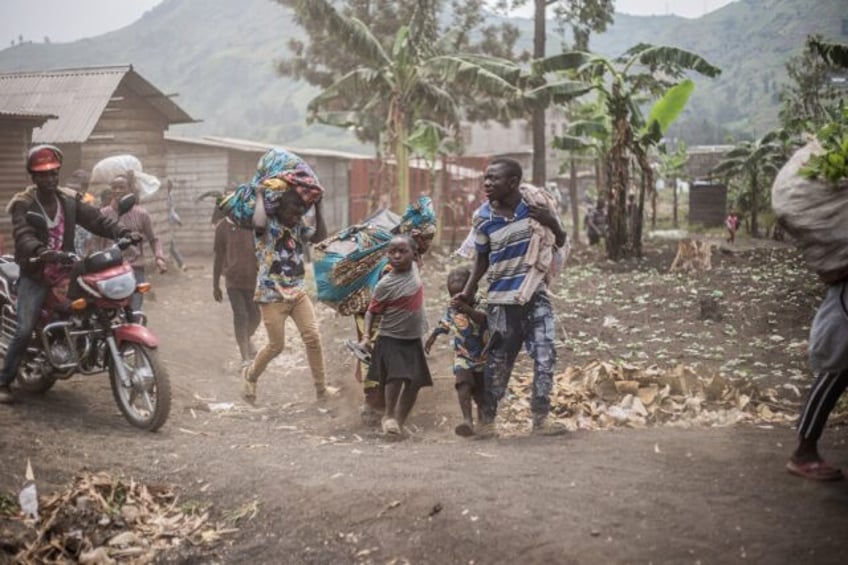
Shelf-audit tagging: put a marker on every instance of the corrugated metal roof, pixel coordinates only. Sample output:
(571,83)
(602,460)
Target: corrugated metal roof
(78,97)
(453,169)
(247,145)
(25,115)
(220,142)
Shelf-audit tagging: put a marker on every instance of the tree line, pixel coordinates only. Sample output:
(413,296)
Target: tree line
(403,75)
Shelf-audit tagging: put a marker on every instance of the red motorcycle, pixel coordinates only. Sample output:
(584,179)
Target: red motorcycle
(87,327)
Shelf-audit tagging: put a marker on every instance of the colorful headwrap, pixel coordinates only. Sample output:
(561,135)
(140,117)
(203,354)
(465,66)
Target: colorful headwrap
(279,171)
(279,166)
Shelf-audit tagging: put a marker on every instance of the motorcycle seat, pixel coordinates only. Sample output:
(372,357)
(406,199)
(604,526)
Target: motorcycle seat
(10,271)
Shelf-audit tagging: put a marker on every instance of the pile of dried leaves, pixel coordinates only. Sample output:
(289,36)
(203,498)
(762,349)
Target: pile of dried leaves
(102,520)
(602,395)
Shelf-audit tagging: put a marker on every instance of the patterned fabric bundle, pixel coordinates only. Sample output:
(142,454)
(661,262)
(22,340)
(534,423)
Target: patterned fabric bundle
(349,264)
(278,170)
(419,219)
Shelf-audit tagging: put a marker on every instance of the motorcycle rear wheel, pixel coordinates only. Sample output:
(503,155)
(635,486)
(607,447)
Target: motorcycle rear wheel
(146,403)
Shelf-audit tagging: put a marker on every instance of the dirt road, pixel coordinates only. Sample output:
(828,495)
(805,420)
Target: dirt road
(323,488)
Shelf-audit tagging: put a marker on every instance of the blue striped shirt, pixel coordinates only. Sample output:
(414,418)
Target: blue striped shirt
(505,241)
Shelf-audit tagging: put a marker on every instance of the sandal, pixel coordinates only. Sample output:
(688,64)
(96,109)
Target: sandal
(390,426)
(814,470)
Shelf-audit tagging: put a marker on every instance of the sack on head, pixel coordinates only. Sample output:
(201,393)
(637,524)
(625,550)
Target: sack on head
(815,212)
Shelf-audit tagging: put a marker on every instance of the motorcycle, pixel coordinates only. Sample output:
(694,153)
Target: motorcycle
(87,327)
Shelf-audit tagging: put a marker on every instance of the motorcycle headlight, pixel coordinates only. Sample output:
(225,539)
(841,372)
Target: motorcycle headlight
(118,287)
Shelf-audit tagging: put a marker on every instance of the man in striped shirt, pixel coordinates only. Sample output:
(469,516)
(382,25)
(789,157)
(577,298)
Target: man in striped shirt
(503,234)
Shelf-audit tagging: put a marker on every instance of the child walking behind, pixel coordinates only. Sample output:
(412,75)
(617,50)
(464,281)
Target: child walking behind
(398,362)
(470,336)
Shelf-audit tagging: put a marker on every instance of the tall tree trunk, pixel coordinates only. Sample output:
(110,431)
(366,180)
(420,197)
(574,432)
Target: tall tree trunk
(647,185)
(617,201)
(575,203)
(654,197)
(538,117)
(755,198)
(601,177)
(674,223)
(402,162)
(439,194)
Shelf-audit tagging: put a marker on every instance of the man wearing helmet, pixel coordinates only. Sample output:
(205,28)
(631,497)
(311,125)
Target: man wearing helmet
(62,210)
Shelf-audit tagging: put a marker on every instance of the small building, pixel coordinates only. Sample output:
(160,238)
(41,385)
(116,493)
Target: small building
(15,139)
(198,166)
(702,159)
(100,112)
(707,203)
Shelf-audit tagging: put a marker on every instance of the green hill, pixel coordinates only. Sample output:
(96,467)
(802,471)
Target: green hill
(219,56)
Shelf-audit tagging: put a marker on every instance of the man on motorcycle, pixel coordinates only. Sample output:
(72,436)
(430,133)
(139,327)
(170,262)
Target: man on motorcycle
(38,248)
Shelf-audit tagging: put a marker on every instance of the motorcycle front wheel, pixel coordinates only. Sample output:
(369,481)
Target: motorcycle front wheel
(146,402)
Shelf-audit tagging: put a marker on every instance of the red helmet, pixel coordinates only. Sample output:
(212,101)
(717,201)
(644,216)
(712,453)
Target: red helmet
(44,158)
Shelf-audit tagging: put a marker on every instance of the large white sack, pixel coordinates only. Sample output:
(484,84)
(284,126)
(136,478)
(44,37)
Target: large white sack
(110,167)
(815,212)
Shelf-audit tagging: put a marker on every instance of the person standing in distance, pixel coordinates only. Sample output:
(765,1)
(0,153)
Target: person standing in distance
(235,259)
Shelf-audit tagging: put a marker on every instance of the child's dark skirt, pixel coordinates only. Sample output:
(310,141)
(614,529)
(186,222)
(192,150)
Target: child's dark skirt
(404,359)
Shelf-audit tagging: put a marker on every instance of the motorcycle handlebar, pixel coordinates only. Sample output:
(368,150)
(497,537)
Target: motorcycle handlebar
(53,256)
(68,258)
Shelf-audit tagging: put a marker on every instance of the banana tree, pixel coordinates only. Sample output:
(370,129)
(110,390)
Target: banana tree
(431,141)
(643,73)
(413,80)
(754,164)
(590,134)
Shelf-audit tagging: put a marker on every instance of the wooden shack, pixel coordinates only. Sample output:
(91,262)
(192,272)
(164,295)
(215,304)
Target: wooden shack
(702,159)
(707,203)
(101,111)
(15,139)
(202,165)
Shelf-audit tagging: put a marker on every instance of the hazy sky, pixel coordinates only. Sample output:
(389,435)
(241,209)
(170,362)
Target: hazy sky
(67,20)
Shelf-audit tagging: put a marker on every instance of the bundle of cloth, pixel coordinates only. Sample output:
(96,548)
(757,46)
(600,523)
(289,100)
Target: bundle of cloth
(543,256)
(279,170)
(104,172)
(349,263)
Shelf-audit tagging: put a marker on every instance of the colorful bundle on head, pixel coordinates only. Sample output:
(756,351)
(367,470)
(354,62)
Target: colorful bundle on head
(419,219)
(278,171)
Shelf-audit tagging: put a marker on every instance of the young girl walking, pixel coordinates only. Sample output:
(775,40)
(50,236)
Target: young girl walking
(398,362)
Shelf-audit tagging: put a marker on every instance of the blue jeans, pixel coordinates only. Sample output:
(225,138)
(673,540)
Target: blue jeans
(31,296)
(510,327)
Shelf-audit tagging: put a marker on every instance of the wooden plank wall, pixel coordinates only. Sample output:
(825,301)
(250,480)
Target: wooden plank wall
(193,170)
(334,175)
(707,204)
(130,125)
(15,137)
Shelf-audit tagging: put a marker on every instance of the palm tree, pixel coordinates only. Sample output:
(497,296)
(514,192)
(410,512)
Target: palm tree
(643,73)
(413,80)
(754,163)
